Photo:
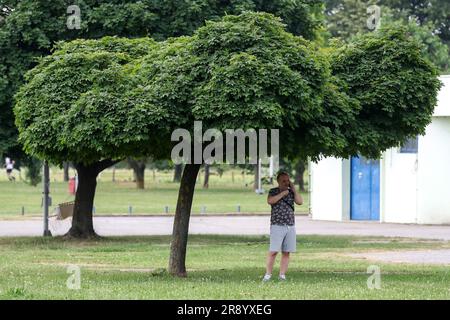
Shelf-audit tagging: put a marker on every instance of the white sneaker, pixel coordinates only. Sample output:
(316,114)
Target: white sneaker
(282,277)
(267,277)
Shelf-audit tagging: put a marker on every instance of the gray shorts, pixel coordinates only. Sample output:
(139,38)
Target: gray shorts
(283,238)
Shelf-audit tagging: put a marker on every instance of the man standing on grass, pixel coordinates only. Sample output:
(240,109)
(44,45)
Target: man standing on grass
(282,223)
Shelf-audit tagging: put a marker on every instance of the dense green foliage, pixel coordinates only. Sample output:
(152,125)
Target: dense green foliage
(30,28)
(395,86)
(78,104)
(243,71)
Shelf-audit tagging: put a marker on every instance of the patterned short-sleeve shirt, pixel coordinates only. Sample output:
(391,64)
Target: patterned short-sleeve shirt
(283,211)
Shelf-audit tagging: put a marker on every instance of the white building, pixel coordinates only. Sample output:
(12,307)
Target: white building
(407,185)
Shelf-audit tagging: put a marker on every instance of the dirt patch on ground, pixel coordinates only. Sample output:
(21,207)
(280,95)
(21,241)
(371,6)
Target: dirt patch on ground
(423,256)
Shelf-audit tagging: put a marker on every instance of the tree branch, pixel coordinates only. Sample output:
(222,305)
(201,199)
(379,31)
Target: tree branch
(106,163)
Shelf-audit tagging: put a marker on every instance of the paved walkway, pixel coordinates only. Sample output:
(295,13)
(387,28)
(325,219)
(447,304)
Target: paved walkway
(246,225)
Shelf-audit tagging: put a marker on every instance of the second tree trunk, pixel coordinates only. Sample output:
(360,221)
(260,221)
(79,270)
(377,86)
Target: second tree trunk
(177,260)
(82,222)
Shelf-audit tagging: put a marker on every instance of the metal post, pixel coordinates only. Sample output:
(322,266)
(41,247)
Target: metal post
(259,190)
(46,187)
(271,169)
(259,175)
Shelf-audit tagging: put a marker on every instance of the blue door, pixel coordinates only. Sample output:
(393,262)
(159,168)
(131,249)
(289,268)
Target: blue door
(365,189)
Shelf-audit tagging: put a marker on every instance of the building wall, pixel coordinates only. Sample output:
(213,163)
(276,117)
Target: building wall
(433,201)
(399,184)
(414,188)
(443,103)
(326,189)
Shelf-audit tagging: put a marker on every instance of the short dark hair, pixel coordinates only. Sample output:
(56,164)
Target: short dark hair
(282,173)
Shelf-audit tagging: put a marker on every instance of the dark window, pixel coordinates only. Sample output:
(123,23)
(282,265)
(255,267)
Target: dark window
(410,146)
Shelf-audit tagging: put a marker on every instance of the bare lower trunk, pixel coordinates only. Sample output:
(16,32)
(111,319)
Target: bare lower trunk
(82,220)
(140,178)
(177,260)
(177,173)
(206,182)
(66,166)
(138,167)
(299,173)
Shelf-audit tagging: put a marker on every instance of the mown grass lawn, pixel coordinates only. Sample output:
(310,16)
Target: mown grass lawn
(219,267)
(223,196)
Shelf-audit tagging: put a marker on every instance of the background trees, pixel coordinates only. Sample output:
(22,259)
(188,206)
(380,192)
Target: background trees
(426,20)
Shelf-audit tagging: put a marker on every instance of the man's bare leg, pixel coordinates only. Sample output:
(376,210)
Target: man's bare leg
(284,263)
(270,261)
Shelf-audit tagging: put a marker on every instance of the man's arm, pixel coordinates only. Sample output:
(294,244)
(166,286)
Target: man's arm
(274,199)
(297,196)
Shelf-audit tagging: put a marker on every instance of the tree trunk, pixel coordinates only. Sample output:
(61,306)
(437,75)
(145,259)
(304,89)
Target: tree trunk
(177,260)
(206,182)
(66,166)
(138,167)
(82,222)
(140,176)
(177,173)
(299,173)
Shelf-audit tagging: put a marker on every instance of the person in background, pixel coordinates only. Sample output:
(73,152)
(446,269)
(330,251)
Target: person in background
(9,169)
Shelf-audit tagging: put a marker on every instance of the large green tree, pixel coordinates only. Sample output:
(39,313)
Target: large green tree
(30,28)
(82,104)
(247,71)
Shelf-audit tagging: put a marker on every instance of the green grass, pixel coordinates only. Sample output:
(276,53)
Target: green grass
(223,196)
(219,267)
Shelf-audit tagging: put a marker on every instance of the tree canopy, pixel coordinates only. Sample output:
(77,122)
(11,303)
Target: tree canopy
(30,28)
(78,104)
(81,104)
(396,88)
(244,71)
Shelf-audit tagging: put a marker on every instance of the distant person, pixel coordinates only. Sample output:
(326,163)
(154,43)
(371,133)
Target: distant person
(9,169)
(283,236)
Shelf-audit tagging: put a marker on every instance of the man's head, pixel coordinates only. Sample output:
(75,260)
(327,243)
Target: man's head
(283,180)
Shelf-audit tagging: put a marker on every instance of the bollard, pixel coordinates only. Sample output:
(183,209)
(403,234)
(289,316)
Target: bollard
(23,210)
(130,210)
(166,209)
(238,208)
(203,210)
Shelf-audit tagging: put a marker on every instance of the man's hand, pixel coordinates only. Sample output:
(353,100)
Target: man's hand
(284,193)
(297,197)
(274,199)
(291,185)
